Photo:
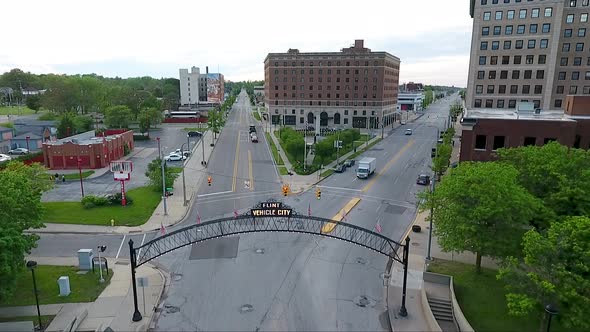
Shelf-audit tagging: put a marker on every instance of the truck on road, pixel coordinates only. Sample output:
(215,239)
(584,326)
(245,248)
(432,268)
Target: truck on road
(366,167)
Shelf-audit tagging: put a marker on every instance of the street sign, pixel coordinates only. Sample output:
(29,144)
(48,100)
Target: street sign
(142,282)
(247,184)
(338,144)
(268,209)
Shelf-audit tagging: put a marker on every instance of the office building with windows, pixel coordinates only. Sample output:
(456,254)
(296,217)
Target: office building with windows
(528,51)
(352,88)
(189,86)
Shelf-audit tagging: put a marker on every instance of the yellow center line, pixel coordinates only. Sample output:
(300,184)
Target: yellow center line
(328,227)
(388,165)
(250,170)
(233,186)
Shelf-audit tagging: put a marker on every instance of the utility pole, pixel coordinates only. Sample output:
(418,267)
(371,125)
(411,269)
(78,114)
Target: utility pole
(164,186)
(428,257)
(338,148)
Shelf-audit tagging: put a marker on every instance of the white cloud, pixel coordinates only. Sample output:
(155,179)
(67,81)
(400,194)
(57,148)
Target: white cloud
(234,34)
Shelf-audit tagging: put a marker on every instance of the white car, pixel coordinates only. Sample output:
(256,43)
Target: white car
(5,157)
(174,157)
(18,151)
(254,138)
(186,153)
(408,131)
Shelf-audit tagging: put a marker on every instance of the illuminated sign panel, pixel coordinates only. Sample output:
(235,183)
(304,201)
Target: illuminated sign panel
(271,209)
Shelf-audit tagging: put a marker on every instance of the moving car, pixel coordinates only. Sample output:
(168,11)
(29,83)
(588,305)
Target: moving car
(252,129)
(339,168)
(423,179)
(174,157)
(408,131)
(349,162)
(18,151)
(254,138)
(5,157)
(402,123)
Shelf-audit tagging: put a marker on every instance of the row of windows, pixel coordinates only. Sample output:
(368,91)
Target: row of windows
(500,142)
(573,90)
(319,95)
(572,3)
(517,59)
(329,87)
(575,75)
(501,103)
(329,63)
(528,74)
(522,14)
(329,72)
(333,103)
(525,90)
(302,112)
(518,44)
(520,29)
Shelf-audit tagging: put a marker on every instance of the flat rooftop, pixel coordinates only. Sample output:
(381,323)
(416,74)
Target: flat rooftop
(513,114)
(87,138)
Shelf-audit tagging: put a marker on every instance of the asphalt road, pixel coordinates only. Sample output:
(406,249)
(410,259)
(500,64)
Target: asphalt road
(285,281)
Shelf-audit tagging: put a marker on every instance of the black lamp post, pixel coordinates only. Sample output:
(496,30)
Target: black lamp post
(31,265)
(552,311)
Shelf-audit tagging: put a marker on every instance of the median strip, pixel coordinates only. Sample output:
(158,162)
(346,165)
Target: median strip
(329,227)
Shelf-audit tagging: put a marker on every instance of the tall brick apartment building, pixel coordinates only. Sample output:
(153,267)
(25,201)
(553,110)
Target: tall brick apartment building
(351,88)
(528,50)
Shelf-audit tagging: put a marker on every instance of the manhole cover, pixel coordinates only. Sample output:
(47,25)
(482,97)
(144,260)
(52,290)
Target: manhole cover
(246,308)
(415,244)
(260,251)
(361,260)
(364,301)
(176,277)
(170,309)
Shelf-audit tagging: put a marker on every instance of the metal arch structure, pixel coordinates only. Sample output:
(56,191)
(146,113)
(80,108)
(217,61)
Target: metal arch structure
(286,221)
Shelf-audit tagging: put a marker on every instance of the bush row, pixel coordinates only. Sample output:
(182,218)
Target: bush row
(91,201)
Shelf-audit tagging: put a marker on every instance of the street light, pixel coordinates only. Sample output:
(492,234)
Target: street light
(28,138)
(80,172)
(31,266)
(552,311)
(183,166)
(100,249)
(428,257)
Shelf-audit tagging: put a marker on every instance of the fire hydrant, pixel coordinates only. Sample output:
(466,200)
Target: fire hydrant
(112,222)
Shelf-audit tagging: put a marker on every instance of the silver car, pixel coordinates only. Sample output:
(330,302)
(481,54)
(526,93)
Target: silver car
(18,151)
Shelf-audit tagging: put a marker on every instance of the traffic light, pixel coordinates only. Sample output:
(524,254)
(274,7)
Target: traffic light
(209,180)
(318,193)
(285,190)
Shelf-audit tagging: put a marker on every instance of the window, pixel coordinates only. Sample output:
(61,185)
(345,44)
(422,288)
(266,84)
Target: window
(569,18)
(498,15)
(510,14)
(579,47)
(586,90)
(492,75)
(535,12)
(493,60)
(587,76)
(544,43)
(538,89)
(497,30)
(482,60)
(520,29)
(500,103)
(507,44)
(573,90)
(498,142)
(522,13)
(526,89)
(505,60)
(513,89)
(567,33)
(518,44)
(490,89)
(480,142)
(495,45)
(508,30)
(557,103)
(559,89)
(504,74)
(573,3)
(542,59)
(515,74)
(502,89)
(512,103)
(533,28)
(575,75)
(485,31)
(528,74)
(531,44)
(528,141)
(477,103)
(584,17)
(483,46)
(561,76)
(540,74)
(546,28)
(481,74)
(529,59)
(548,12)
(489,103)
(478,89)
(565,47)
(582,32)
(577,61)
(585,3)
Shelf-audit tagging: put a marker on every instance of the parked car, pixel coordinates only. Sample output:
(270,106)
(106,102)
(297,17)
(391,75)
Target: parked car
(402,123)
(186,153)
(349,162)
(254,139)
(423,179)
(433,153)
(339,168)
(18,151)
(174,157)
(440,141)
(4,157)
(252,129)
(408,131)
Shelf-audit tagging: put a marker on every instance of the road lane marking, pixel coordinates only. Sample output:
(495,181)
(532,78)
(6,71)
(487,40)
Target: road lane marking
(233,186)
(250,170)
(121,246)
(329,227)
(143,239)
(217,193)
(388,165)
(338,188)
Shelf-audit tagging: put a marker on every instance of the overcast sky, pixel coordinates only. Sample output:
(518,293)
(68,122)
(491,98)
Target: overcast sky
(155,38)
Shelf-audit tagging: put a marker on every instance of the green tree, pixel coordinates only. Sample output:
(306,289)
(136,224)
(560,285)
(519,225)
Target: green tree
(480,207)
(149,118)
(324,148)
(21,210)
(83,123)
(66,126)
(34,102)
(35,172)
(118,116)
(215,121)
(440,162)
(154,174)
(555,269)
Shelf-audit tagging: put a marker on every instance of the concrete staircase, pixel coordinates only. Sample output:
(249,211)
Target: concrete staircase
(442,309)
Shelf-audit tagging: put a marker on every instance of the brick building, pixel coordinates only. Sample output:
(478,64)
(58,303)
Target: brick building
(486,130)
(352,88)
(528,51)
(94,152)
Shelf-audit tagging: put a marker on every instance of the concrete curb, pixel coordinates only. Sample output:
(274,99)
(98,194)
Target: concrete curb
(165,285)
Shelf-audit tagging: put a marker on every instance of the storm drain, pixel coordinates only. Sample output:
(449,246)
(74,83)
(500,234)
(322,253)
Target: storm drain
(394,209)
(361,261)
(246,308)
(170,309)
(363,301)
(176,276)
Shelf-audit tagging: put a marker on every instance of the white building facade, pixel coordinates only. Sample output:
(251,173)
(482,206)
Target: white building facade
(189,86)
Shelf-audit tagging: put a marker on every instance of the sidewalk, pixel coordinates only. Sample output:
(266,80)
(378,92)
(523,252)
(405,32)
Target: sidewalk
(114,306)
(176,211)
(300,183)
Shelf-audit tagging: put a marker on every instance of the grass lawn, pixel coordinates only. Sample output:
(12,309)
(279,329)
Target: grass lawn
(46,320)
(256,115)
(175,169)
(327,172)
(74,176)
(202,130)
(145,200)
(15,110)
(84,287)
(482,299)
(283,170)
(273,149)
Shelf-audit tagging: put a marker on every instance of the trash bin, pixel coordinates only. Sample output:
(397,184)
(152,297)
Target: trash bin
(169,192)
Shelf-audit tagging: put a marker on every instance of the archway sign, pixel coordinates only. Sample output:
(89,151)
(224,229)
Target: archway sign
(269,216)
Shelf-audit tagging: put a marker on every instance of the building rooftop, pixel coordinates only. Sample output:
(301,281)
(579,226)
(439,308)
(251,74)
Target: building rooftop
(515,114)
(86,138)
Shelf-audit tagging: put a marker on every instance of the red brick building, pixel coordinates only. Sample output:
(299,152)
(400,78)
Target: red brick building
(486,130)
(93,152)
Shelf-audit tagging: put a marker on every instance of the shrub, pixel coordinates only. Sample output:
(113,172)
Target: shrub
(115,199)
(88,205)
(140,138)
(91,201)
